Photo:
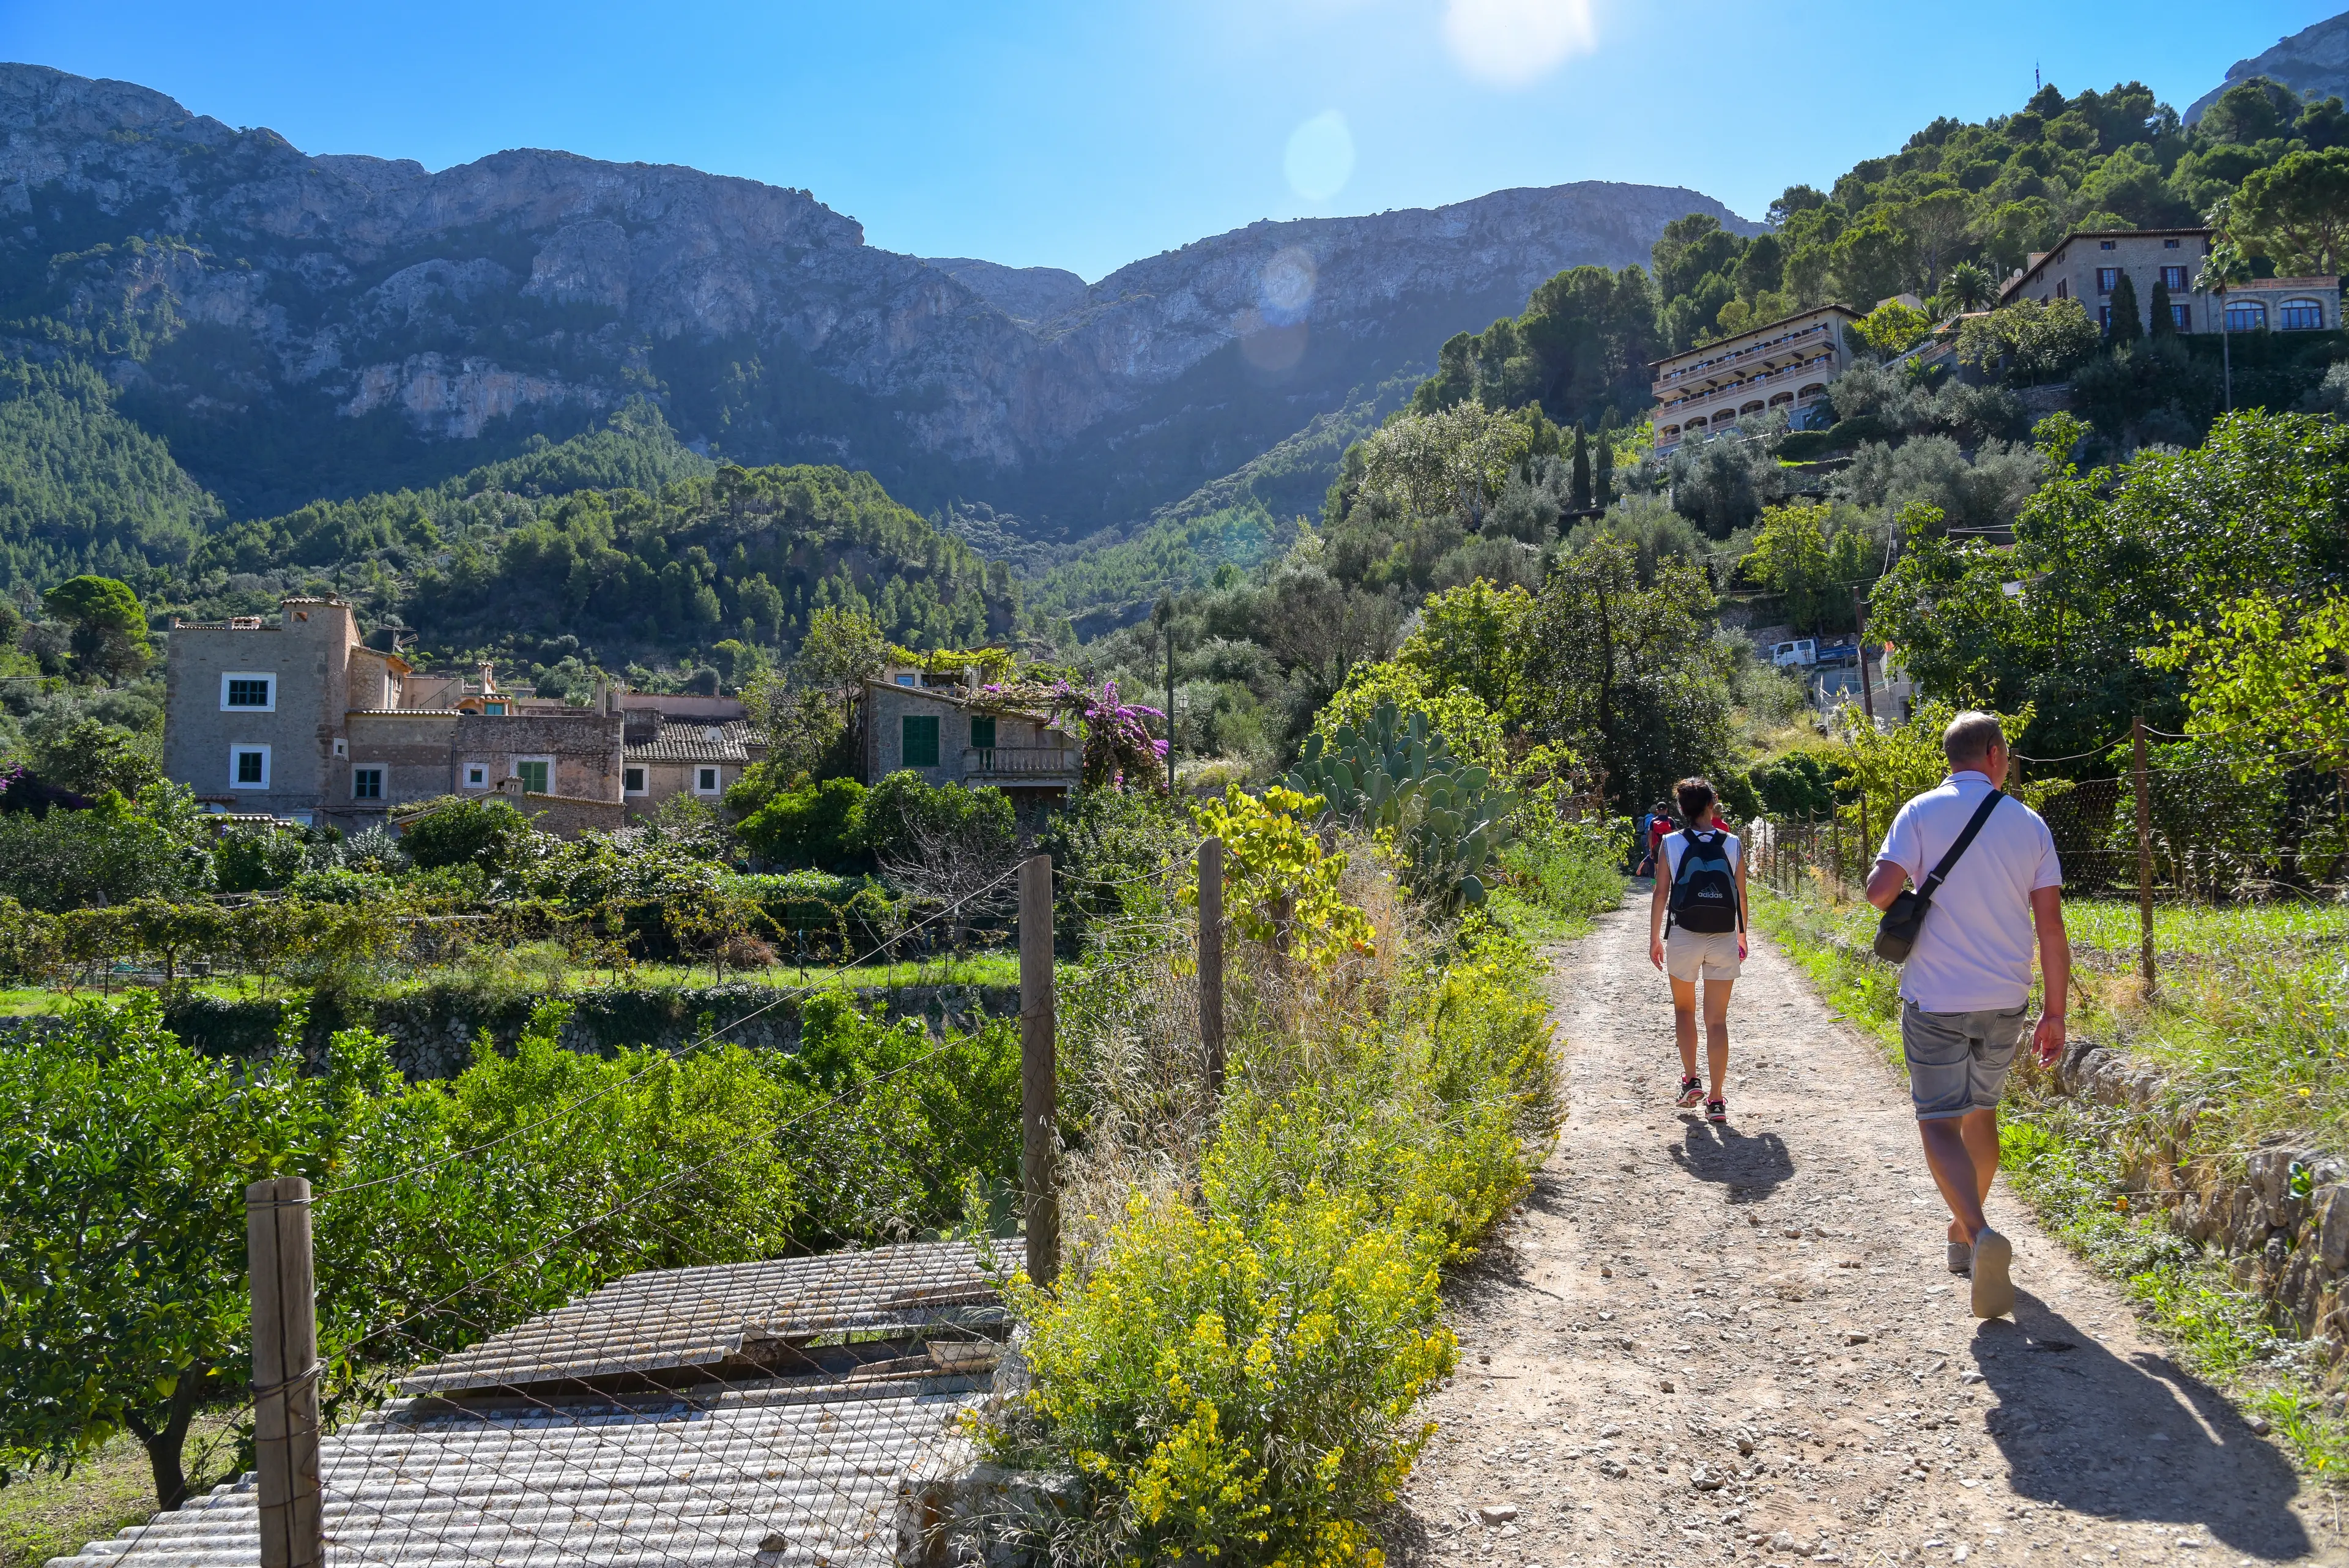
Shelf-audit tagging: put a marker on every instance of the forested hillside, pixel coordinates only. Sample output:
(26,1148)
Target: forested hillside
(616,547)
(1958,208)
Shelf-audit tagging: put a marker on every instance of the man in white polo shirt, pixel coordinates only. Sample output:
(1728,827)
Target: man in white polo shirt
(1968,979)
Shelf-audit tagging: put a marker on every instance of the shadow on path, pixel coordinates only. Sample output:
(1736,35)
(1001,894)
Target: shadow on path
(2146,1455)
(1751,1168)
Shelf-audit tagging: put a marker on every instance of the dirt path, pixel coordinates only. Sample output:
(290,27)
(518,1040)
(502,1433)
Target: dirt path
(1701,1344)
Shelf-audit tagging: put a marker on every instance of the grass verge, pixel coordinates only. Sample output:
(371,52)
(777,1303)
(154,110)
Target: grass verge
(2244,993)
(52,1514)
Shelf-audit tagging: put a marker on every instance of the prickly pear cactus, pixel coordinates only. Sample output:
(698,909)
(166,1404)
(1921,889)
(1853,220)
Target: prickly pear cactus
(1394,774)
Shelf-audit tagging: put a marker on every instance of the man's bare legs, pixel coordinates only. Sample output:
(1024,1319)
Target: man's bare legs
(1963,1154)
(1716,1029)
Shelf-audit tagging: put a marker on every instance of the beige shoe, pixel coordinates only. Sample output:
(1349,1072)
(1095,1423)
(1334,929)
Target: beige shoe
(1994,1281)
(1962,1258)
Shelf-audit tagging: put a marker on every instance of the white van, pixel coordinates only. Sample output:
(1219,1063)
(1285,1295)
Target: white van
(1803,652)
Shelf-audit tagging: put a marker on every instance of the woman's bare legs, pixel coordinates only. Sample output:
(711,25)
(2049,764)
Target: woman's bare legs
(1716,1034)
(1716,1029)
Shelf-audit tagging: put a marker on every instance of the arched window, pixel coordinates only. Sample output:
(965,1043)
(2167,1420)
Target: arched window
(1814,389)
(2301,316)
(1778,398)
(1753,408)
(1671,430)
(2246,315)
(1696,422)
(1724,416)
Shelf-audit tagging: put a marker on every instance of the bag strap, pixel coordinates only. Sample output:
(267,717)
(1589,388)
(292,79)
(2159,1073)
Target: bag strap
(1982,815)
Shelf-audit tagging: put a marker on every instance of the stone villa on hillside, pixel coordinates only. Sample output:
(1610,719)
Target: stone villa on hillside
(296,718)
(1783,365)
(1788,363)
(2089,264)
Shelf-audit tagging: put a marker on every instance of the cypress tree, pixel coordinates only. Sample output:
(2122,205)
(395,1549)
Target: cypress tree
(1581,492)
(2163,323)
(1603,489)
(2127,325)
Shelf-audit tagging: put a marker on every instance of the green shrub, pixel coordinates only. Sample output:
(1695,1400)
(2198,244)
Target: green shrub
(115,852)
(489,834)
(809,824)
(854,912)
(1244,1392)
(1236,1376)
(1799,787)
(251,857)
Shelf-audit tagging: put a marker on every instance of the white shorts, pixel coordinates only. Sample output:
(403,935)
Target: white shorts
(1712,954)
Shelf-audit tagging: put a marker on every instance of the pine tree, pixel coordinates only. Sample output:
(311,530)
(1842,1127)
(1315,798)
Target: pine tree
(1581,492)
(2127,325)
(2163,323)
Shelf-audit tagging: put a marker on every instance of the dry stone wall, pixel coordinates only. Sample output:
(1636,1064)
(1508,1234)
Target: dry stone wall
(2279,1214)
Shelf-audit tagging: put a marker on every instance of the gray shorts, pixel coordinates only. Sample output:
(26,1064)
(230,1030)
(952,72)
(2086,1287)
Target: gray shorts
(1958,1061)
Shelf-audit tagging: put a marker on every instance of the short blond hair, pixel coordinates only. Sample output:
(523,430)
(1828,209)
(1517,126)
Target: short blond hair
(1971,738)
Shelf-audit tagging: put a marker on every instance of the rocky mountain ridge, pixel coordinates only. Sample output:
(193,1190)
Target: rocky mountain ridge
(2314,59)
(300,325)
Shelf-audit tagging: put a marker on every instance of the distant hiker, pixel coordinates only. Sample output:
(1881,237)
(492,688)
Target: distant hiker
(1696,928)
(1655,825)
(1985,865)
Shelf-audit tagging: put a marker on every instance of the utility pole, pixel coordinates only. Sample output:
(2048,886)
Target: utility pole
(1211,960)
(2140,780)
(1040,1053)
(1859,618)
(1164,617)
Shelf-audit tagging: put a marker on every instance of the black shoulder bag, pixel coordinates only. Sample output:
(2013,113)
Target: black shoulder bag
(1895,933)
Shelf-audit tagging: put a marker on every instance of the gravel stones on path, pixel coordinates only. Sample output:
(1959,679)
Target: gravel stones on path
(1698,1344)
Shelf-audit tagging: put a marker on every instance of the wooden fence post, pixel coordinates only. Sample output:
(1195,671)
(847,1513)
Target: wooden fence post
(2144,852)
(284,1372)
(1039,1072)
(1211,959)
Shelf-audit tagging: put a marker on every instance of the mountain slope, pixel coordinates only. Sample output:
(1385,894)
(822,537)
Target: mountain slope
(2314,59)
(297,326)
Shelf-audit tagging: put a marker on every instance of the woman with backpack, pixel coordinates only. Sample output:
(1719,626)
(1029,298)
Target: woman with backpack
(1696,931)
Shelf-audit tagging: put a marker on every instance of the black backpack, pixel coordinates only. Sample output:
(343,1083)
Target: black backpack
(1704,889)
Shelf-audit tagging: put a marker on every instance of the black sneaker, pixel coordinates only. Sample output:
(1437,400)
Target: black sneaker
(1691,1091)
(1717,1112)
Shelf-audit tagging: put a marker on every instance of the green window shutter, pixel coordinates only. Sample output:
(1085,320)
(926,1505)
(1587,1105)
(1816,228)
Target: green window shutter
(921,741)
(982,735)
(533,776)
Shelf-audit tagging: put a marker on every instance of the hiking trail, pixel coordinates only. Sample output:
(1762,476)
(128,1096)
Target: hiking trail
(1697,1343)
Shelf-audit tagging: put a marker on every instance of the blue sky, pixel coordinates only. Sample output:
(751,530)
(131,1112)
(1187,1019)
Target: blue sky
(1087,135)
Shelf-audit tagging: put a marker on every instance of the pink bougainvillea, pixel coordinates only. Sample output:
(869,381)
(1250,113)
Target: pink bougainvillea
(1115,736)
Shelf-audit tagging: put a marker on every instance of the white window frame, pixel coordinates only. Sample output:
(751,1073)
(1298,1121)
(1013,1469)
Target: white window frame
(268,675)
(239,749)
(716,774)
(638,772)
(473,768)
(382,780)
(518,762)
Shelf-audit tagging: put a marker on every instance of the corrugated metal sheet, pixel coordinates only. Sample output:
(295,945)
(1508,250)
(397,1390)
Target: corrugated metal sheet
(719,1314)
(771,1472)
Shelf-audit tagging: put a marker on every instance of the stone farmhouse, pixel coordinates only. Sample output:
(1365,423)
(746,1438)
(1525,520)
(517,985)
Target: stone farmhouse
(296,719)
(2089,264)
(950,731)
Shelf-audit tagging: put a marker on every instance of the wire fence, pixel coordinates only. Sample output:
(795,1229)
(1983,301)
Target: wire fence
(2166,821)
